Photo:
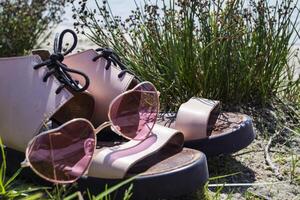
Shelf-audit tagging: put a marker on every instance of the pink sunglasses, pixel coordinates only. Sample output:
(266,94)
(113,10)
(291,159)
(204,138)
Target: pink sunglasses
(62,155)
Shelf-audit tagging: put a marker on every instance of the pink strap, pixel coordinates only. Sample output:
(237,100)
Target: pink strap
(196,117)
(114,162)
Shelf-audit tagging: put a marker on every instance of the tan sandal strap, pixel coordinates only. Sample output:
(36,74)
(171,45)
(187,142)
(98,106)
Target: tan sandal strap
(196,118)
(114,162)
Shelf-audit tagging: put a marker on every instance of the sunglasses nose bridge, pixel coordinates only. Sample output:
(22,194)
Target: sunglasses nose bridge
(102,126)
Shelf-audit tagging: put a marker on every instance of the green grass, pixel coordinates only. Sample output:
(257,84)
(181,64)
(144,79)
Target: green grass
(9,187)
(295,163)
(216,49)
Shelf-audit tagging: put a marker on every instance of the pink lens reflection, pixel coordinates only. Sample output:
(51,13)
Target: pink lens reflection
(134,114)
(63,155)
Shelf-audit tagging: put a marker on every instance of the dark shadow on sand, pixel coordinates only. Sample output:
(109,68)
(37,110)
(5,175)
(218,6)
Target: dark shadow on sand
(225,165)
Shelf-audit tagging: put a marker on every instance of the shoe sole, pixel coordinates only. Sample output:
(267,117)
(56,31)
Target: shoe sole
(227,142)
(155,183)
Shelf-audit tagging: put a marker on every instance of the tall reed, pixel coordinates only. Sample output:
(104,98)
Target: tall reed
(236,51)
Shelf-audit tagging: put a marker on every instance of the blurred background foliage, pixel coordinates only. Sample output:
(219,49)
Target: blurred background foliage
(26,23)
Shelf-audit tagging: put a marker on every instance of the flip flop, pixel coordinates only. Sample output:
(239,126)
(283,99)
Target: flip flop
(166,168)
(208,130)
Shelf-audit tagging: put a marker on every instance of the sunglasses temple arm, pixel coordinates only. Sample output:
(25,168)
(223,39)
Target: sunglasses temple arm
(102,126)
(24,164)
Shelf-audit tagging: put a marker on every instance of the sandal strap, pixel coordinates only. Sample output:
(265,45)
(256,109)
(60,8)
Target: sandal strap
(114,162)
(27,102)
(105,84)
(196,118)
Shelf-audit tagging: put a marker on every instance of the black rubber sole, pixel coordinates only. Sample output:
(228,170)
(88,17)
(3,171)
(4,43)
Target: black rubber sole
(225,143)
(168,185)
(185,180)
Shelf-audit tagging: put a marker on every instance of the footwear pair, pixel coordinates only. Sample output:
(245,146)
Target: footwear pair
(55,96)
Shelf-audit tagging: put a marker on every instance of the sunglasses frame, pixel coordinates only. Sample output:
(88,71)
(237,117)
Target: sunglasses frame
(26,162)
(124,93)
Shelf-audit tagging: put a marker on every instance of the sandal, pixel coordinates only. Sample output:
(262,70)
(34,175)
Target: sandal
(159,158)
(207,130)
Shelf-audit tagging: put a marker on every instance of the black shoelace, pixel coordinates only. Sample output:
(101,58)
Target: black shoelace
(60,70)
(112,57)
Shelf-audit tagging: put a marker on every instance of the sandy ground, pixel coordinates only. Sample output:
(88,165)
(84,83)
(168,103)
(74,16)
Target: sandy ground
(255,176)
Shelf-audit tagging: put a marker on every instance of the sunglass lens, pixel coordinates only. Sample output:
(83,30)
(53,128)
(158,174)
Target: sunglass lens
(64,154)
(134,114)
